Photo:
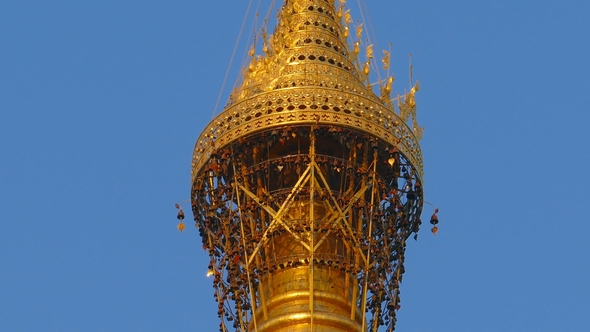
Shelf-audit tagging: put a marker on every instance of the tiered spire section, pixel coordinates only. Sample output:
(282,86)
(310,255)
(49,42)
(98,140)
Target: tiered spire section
(309,52)
(308,48)
(307,186)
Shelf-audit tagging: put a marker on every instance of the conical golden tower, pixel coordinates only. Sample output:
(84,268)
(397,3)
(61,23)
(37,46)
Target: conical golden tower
(307,186)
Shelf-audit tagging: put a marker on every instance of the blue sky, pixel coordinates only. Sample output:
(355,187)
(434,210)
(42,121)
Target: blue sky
(101,103)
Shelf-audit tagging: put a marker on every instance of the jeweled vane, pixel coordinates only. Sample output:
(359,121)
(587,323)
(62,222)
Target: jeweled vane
(307,186)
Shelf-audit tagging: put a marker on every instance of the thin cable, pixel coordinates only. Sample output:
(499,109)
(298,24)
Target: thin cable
(231,60)
(370,32)
(253,34)
(267,17)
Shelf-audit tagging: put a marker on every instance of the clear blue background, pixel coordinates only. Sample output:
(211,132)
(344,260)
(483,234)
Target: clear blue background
(101,103)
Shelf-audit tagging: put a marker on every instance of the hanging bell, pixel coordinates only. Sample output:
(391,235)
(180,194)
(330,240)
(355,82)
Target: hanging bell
(434,219)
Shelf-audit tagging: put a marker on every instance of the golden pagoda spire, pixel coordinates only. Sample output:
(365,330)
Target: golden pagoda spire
(307,185)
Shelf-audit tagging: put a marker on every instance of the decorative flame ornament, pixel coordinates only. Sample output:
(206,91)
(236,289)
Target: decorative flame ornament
(434,230)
